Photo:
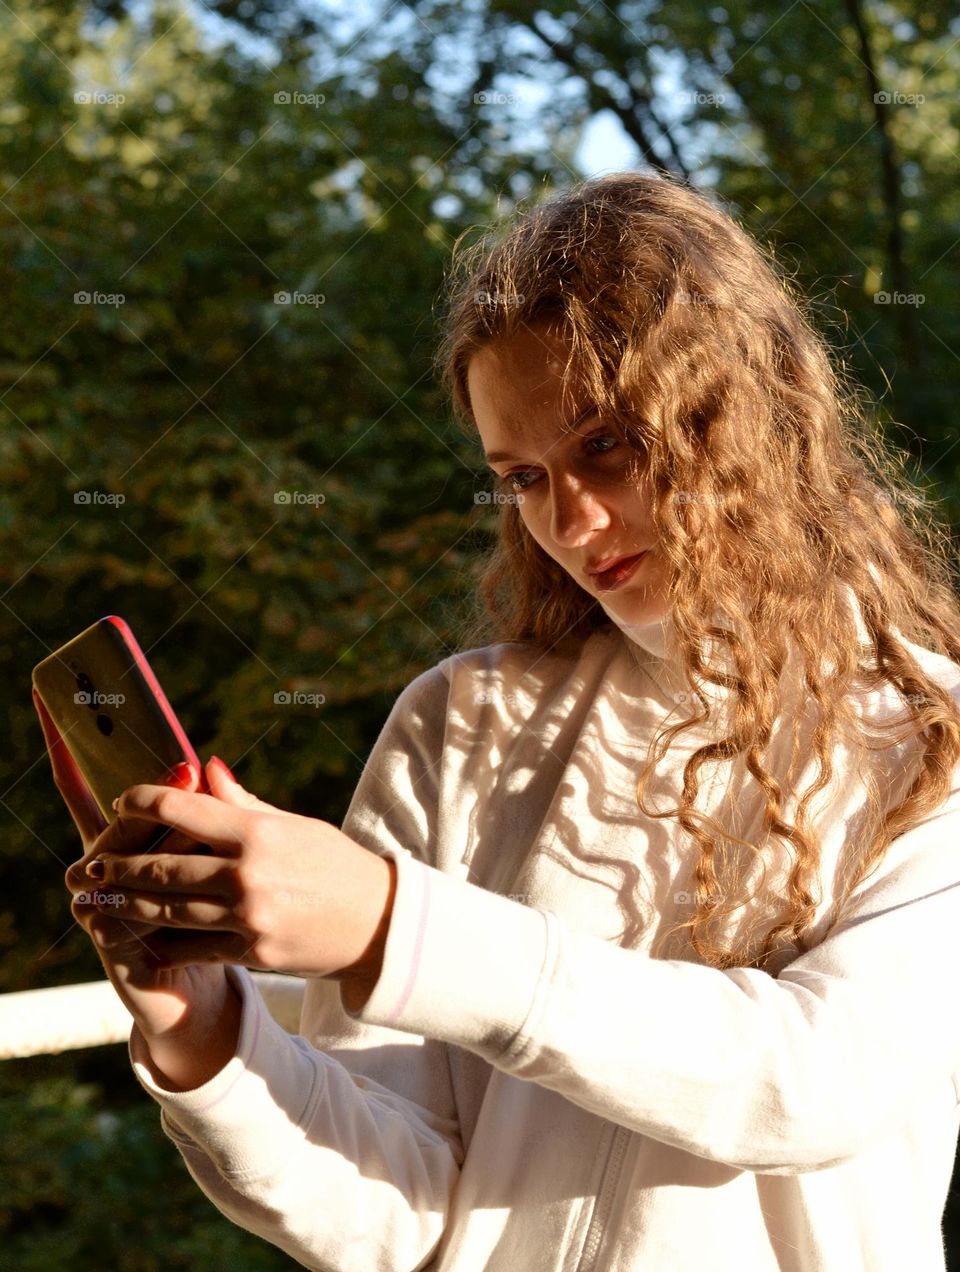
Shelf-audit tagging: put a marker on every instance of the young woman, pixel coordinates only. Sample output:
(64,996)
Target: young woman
(636,946)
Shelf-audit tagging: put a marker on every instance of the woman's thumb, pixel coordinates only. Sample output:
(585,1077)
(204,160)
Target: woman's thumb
(226,787)
(218,765)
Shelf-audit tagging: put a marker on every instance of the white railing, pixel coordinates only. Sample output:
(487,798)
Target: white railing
(39,1022)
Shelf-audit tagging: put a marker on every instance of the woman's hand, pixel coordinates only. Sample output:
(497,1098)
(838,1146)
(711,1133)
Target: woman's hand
(174,1010)
(278,891)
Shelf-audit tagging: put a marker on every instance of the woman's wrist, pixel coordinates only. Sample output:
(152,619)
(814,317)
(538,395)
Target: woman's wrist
(201,1045)
(357,982)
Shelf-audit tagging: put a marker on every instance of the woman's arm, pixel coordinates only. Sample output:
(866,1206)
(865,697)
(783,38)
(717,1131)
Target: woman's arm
(292,1145)
(207,1036)
(774,1075)
(297,1145)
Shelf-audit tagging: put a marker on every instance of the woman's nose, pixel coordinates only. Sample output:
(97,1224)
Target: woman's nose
(576,512)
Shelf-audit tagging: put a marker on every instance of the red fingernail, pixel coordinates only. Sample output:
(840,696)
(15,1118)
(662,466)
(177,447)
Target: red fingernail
(180,774)
(215,759)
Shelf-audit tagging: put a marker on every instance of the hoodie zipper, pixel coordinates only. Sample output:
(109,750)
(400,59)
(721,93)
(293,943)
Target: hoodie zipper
(608,1187)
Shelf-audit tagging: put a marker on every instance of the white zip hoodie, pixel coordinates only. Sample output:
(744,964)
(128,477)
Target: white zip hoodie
(528,1089)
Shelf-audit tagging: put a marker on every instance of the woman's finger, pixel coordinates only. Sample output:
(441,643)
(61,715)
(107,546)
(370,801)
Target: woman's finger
(204,818)
(76,877)
(106,929)
(225,786)
(166,872)
(185,778)
(220,782)
(176,948)
(134,831)
(176,842)
(177,910)
(69,781)
(132,835)
(128,946)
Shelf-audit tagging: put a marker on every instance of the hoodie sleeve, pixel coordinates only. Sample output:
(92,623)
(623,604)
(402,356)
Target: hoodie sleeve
(340,1145)
(775,1075)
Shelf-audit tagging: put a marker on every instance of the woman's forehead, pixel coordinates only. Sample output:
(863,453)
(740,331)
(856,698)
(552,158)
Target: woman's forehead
(522,408)
(527,367)
(537,343)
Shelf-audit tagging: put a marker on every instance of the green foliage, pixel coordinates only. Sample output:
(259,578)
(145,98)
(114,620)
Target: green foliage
(774,109)
(179,415)
(91,1182)
(269,493)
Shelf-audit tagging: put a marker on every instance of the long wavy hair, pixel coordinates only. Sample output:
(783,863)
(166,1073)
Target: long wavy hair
(775,491)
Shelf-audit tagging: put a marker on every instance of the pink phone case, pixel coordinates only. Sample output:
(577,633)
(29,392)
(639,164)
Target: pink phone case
(111,712)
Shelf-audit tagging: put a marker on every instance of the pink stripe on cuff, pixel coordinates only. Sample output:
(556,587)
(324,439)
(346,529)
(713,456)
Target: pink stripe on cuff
(418,945)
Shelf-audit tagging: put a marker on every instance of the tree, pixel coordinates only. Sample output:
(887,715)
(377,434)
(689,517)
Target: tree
(218,421)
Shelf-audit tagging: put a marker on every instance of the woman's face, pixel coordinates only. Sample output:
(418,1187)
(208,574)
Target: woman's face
(577,502)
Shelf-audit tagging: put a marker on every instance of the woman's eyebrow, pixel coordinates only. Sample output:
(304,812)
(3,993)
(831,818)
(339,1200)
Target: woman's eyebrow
(496,457)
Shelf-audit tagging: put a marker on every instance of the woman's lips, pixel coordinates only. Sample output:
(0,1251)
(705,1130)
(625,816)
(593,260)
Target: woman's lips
(617,574)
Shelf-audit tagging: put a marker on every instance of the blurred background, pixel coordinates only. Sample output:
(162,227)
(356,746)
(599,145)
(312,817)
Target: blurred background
(223,232)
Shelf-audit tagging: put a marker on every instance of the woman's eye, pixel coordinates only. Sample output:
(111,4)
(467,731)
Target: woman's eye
(518,481)
(524,478)
(603,437)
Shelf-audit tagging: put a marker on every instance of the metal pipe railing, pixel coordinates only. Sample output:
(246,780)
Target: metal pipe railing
(35,1022)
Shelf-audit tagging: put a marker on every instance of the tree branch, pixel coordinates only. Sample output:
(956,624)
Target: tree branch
(890,167)
(629,116)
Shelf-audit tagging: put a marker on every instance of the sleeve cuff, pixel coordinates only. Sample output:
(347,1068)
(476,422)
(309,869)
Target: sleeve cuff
(226,1115)
(460,964)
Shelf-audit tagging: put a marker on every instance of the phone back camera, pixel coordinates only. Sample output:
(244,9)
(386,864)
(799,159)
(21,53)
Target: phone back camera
(104,724)
(87,694)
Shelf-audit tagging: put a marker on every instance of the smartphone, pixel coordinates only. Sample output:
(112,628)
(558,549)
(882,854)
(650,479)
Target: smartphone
(113,716)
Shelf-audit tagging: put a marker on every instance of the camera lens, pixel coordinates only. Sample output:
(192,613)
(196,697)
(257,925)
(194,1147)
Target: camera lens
(85,685)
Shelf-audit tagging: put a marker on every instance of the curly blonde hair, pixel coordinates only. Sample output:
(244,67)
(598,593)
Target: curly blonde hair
(774,493)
